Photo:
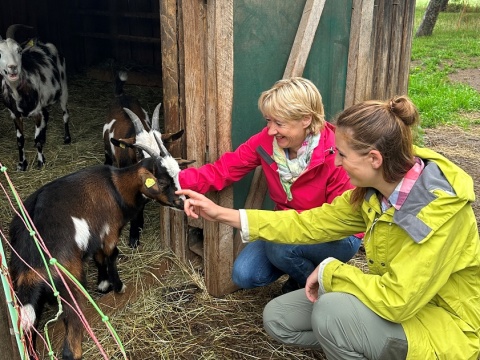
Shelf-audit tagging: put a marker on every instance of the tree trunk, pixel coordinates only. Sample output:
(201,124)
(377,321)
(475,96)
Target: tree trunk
(430,17)
(444,6)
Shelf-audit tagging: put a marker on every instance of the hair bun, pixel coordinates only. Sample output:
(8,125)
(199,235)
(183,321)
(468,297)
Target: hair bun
(404,108)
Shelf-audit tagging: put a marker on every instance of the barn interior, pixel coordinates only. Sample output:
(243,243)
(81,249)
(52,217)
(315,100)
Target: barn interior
(96,37)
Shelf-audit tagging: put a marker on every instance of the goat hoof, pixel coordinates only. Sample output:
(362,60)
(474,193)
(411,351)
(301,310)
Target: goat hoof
(67,140)
(22,166)
(40,164)
(122,290)
(104,287)
(134,243)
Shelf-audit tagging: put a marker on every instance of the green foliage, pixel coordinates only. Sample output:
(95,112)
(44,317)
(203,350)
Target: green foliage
(453,46)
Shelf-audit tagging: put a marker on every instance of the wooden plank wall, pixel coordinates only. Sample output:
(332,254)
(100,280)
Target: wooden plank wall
(199,80)
(197,49)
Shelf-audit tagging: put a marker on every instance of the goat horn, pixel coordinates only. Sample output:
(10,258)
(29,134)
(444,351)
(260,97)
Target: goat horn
(12,29)
(163,150)
(136,121)
(156,118)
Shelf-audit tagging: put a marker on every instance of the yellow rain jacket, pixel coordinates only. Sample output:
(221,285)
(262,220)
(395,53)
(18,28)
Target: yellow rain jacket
(423,260)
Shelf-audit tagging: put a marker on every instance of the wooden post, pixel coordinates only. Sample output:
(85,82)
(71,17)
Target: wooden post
(379,53)
(218,238)
(360,55)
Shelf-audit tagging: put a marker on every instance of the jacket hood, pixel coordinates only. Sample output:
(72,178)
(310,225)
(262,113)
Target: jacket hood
(461,182)
(440,192)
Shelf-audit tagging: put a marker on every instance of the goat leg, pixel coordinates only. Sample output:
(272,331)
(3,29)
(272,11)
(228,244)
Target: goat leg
(41,121)
(22,161)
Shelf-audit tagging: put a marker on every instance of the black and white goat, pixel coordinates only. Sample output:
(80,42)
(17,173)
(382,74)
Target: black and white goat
(128,121)
(33,77)
(79,216)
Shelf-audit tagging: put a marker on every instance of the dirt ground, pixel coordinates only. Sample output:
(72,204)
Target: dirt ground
(460,145)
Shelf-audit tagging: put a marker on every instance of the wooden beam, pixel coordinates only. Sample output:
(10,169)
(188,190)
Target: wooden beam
(304,38)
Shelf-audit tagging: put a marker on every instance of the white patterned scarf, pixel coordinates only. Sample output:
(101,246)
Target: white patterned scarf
(290,169)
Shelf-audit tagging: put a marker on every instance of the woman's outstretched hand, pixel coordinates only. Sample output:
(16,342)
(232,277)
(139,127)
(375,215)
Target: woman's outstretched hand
(198,205)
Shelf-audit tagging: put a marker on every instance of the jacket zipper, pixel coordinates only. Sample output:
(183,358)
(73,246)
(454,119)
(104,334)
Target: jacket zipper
(371,229)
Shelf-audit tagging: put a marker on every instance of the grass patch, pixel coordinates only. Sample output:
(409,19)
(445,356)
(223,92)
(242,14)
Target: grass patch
(453,46)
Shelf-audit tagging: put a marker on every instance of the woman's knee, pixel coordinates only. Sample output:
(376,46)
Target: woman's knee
(242,276)
(330,313)
(281,254)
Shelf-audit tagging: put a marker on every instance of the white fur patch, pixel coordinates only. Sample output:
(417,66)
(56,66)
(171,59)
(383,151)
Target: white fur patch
(108,128)
(82,233)
(103,286)
(105,231)
(40,128)
(27,317)
(147,138)
(173,170)
(171,165)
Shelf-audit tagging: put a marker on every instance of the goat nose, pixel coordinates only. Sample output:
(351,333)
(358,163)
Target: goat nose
(178,203)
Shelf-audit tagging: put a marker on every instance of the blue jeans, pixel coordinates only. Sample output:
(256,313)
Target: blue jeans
(262,262)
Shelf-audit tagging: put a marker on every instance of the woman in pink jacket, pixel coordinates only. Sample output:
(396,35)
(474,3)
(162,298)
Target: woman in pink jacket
(296,151)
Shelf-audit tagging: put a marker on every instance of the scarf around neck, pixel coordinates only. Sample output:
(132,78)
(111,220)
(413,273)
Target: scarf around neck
(290,169)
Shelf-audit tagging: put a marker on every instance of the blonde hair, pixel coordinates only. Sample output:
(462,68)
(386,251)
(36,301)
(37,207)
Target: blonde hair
(292,100)
(385,126)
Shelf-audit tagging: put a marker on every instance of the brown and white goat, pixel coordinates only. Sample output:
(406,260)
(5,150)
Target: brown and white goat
(132,126)
(80,216)
(33,78)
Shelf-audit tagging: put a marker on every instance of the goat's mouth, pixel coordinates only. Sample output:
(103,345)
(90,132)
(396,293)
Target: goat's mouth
(12,77)
(174,204)
(177,204)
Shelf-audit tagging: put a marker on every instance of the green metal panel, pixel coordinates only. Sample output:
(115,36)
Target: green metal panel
(264,32)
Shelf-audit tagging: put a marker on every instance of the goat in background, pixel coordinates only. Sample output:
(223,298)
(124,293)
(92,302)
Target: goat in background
(128,121)
(33,77)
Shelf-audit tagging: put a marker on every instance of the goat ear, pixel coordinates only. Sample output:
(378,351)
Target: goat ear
(156,189)
(183,163)
(123,143)
(150,186)
(171,137)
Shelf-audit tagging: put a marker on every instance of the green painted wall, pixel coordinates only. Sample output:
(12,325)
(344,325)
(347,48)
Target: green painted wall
(264,32)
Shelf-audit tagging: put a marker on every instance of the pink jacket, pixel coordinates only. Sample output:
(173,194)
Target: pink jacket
(320,183)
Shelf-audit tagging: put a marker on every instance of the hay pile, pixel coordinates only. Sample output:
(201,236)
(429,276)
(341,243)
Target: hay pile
(168,316)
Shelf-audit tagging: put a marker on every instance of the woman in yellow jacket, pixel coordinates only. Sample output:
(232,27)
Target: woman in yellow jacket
(420,298)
